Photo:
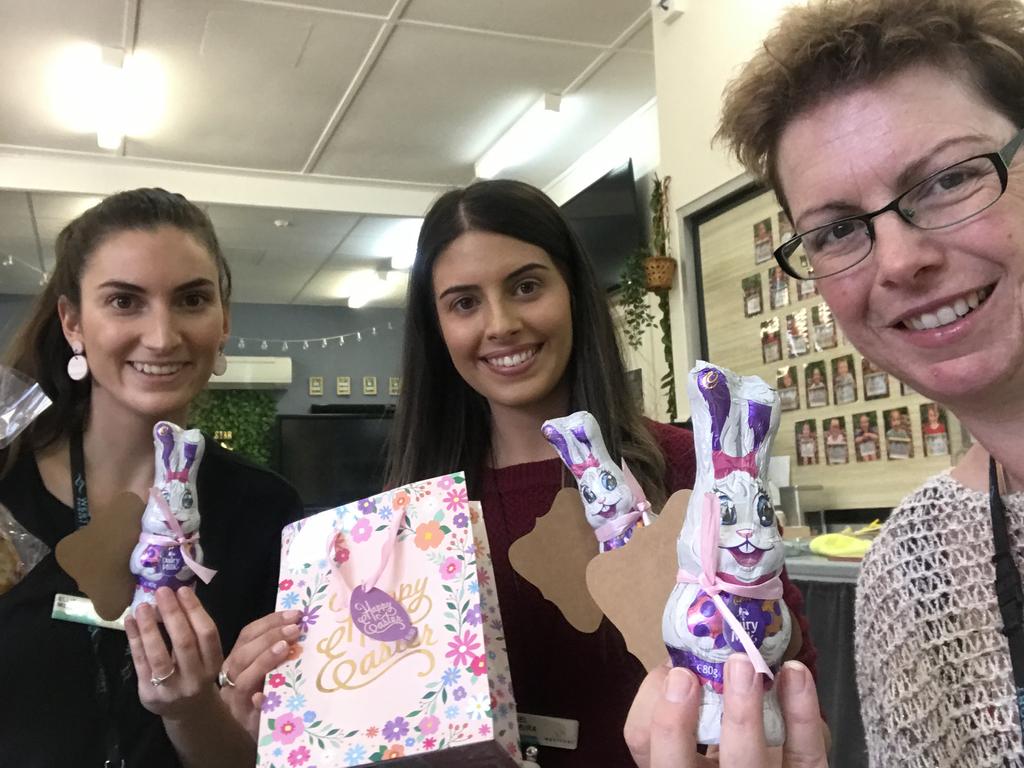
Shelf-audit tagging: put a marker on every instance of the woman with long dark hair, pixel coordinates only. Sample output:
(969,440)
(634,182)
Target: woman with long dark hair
(507,327)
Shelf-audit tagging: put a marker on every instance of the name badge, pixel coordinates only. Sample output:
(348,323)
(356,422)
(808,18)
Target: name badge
(548,731)
(80,610)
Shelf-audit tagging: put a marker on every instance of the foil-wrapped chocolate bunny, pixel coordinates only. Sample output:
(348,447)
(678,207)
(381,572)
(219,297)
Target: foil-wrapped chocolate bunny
(729,595)
(613,501)
(168,553)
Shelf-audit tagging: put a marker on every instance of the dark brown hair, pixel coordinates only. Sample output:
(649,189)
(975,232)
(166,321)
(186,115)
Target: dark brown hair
(40,350)
(442,424)
(822,49)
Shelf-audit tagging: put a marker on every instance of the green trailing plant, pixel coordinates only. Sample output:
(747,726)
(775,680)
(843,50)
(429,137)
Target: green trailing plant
(246,413)
(637,316)
(668,381)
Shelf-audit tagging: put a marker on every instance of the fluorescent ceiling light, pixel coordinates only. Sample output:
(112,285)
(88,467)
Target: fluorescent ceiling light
(398,242)
(367,285)
(102,91)
(524,140)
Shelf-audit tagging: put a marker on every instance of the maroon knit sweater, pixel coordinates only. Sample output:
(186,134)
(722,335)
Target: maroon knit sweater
(557,670)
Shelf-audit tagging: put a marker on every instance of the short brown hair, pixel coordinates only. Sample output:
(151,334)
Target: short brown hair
(831,46)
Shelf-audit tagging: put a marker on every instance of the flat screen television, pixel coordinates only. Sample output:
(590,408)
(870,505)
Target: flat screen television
(333,458)
(606,218)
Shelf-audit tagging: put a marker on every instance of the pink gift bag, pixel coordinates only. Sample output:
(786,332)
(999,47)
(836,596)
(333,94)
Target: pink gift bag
(402,652)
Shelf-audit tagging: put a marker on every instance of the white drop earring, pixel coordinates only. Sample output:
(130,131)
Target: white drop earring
(220,363)
(78,366)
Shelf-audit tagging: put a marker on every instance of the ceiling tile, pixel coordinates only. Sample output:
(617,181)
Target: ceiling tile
(235,107)
(377,7)
(438,98)
(589,21)
(642,40)
(249,227)
(35,33)
(618,89)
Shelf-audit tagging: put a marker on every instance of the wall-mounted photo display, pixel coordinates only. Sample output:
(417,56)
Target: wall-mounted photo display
(806,442)
(876,381)
(905,389)
(899,442)
(343,386)
(797,342)
(778,288)
(771,341)
(763,245)
(316,386)
(866,444)
(823,327)
(934,430)
(816,384)
(844,380)
(805,289)
(369,385)
(786,231)
(394,385)
(837,447)
(753,301)
(789,391)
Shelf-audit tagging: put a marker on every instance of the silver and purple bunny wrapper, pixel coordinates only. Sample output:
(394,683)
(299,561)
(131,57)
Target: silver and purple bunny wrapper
(613,501)
(168,553)
(728,596)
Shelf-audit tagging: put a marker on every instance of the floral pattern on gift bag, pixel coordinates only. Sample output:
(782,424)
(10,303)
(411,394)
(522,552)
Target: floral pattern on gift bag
(345,699)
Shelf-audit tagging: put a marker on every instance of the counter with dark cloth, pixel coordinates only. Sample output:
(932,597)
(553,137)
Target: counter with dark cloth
(558,671)
(50,714)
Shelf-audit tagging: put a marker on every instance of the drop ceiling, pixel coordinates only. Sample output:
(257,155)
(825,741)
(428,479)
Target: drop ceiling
(401,93)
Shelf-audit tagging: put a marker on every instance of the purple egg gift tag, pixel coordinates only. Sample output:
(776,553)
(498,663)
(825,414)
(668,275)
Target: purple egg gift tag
(380,617)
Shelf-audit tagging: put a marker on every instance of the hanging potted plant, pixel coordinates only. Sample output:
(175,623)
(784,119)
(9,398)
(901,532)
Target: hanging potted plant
(651,270)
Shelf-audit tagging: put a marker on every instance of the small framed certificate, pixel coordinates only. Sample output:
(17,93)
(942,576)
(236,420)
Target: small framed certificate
(316,386)
(343,386)
(394,385)
(369,385)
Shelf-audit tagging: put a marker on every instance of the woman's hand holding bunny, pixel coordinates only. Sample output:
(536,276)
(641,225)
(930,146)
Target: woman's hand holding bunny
(663,719)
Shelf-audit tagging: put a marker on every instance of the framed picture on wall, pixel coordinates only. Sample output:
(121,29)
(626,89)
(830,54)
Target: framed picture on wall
(805,289)
(837,447)
(844,380)
(316,386)
(778,288)
(796,334)
(898,439)
(394,385)
(823,327)
(934,430)
(867,446)
(789,392)
(785,228)
(876,381)
(806,442)
(763,241)
(816,384)
(753,302)
(343,386)
(369,385)
(771,341)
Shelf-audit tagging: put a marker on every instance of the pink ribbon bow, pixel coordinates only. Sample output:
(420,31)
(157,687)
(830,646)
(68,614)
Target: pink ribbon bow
(725,464)
(177,474)
(712,585)
(186,543)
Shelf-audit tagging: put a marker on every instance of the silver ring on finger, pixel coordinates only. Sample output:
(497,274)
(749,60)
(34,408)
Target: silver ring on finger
(224,680)
(158,680)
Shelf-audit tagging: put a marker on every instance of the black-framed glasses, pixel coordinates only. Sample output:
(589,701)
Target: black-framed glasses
(944,199)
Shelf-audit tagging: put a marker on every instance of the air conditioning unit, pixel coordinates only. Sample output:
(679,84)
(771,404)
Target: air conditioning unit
(254,373)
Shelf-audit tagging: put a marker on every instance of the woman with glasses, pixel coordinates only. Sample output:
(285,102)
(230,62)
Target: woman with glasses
(890,131)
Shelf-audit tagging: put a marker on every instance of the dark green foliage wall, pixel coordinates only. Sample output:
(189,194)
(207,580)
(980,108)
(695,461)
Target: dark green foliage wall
(247,414)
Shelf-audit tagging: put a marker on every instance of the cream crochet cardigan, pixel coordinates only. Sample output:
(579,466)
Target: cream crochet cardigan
(933,669)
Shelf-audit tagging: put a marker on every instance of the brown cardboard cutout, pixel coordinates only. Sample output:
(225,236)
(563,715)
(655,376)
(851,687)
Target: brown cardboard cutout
(96,556)
(554,556)
(632,584)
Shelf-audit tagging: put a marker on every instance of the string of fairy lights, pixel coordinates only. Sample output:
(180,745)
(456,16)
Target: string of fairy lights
(244,343)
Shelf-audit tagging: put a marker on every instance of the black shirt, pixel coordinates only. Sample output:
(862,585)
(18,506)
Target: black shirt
(49,711)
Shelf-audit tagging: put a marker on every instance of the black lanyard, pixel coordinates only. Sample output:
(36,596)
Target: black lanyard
(103,695)
(1008,588)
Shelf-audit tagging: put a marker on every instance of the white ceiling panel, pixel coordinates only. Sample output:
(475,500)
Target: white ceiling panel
(234,105)
(642,40)
(376,7)
(438,98)
(254,227)
(378,237)
(270,283)
(590,21)
(617,90)
(35,34)
(326,285)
